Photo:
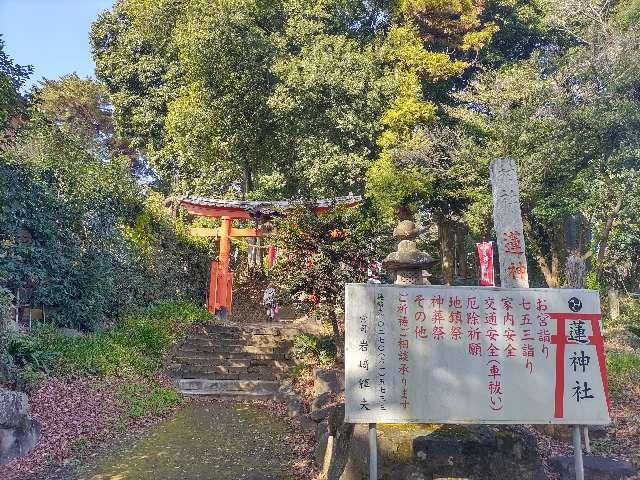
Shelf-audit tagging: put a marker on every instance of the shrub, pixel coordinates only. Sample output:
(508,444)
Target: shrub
(27,352)
(136,345)
(141,400)
(316,348)
(82,240)
(325,251)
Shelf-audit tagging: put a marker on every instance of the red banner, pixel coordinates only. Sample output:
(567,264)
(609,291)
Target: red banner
(485,257)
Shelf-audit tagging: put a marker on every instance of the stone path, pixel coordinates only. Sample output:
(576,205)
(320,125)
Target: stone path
(204,441)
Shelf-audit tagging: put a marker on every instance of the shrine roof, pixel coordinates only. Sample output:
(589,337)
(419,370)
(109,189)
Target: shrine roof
(212,207)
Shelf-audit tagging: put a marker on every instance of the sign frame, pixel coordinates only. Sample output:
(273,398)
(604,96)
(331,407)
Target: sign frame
(592,318)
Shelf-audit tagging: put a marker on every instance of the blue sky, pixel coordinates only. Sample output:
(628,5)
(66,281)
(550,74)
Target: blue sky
(51,35)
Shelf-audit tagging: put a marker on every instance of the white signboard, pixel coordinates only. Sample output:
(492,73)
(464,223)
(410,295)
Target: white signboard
(474,355)
(507,219)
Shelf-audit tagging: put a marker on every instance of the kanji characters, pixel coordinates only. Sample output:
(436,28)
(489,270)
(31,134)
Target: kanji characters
(517,271)
(421,332)
(582,391)
(579,361)
(512,243)
(577,332)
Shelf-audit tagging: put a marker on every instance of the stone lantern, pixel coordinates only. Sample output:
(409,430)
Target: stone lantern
(408,264)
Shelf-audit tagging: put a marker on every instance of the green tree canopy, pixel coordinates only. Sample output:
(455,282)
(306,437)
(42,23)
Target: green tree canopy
(570,117)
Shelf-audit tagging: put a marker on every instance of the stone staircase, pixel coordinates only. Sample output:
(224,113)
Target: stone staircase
(233,360)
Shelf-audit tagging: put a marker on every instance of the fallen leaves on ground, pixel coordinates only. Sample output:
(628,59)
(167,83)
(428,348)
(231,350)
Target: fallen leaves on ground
(74,414)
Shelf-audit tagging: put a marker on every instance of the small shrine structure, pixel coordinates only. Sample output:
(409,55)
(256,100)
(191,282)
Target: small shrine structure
(221,279)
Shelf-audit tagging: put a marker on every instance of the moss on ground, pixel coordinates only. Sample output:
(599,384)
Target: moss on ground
(202,441)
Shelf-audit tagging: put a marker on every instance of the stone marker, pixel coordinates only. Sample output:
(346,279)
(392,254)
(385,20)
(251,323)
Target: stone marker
(341,433)
(18,432)
(507,219)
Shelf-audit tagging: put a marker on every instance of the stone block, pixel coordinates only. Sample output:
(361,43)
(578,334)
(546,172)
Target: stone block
(338,452)
(429,451)
(478,452)
(563,432)
(307,424)
(320,449)
(295,407)
(18,433)
(13,408)
(331,381)
(322,414)
(336,418)
(321,401)
(595,468)
(321,429)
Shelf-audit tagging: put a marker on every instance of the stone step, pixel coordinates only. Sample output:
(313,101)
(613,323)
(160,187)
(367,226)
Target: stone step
(213,368)
(228,353)
(227,369)
(188,356)
(259,356)
(187,347)
(232,344)
(228,388)
(284,364)
(244,329)
(282,330)
(280,365)
(256,340)
(211,374)
(247,360)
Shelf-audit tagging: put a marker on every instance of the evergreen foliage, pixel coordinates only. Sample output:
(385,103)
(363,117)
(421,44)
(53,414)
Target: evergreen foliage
(80,237)
(324,251)
(136,345)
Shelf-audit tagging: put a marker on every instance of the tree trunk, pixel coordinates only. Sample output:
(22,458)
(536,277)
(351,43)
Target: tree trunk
(551,268)
(575,271)
(248,180)
(614,303)
(604,239)
(546,270)
(336,333)
(461,253)
(445,236)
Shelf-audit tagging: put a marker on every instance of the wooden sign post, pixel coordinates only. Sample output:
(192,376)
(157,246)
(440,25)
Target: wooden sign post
(507,220)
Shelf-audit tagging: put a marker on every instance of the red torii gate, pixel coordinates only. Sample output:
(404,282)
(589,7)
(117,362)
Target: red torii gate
(221,280)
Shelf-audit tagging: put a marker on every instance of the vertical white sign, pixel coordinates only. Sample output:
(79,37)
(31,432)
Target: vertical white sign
(507,219)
